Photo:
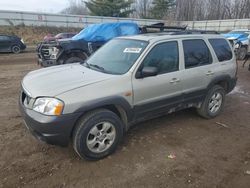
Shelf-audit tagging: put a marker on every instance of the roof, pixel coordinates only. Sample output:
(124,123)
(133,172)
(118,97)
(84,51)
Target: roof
(154,37)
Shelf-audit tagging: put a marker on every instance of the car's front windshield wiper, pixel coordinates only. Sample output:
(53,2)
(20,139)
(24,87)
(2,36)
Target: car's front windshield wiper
(98,67)
(85,63)
(88,65)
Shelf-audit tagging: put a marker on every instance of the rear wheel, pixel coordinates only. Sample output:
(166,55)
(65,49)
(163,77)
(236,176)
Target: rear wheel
(16,49)
(97,134)
(213,103)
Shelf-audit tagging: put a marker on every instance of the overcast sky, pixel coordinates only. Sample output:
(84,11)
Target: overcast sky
(52,6)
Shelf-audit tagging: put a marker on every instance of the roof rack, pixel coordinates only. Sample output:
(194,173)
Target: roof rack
(186,32)
(161,28)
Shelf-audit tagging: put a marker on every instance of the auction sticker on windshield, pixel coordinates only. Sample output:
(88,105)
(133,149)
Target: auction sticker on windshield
(132,50)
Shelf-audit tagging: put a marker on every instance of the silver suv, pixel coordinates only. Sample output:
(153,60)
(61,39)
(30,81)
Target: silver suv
(129,79)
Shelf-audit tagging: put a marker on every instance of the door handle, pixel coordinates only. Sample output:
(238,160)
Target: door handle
(174,80)
(209,73)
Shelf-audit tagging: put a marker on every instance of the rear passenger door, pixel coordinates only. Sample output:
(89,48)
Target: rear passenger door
(198,69)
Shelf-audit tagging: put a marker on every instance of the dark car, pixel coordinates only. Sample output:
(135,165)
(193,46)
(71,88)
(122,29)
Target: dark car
(50,37)
(11,43)
(82,45)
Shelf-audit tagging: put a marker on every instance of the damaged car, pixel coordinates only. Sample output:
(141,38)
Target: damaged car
(82,45)
(240,40)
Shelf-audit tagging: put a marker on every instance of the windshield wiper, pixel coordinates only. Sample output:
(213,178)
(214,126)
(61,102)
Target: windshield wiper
(93,65)
(98,67)
(85,63)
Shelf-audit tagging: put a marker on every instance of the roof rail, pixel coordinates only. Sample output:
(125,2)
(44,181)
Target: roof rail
(194,32)
(162,28)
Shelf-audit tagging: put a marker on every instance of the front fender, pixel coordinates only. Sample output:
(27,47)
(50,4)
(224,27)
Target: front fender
(107,101)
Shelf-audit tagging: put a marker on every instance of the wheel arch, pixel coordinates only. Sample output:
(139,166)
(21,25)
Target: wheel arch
(74,53)
(224,81)
(117,105)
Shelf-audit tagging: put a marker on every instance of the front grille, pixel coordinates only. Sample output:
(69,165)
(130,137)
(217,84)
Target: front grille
(45,52)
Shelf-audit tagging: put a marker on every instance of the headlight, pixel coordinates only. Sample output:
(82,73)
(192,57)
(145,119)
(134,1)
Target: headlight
(54,52)
(48,106)
(237,45)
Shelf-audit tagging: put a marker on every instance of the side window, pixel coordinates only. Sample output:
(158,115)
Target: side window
(196,53)
(163,56)
(221,49)
(3,38)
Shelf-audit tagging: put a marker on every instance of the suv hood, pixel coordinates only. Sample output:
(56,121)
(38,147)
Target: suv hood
(60,79)
(67,40)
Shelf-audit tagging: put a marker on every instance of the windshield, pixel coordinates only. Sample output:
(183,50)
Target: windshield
(116,56)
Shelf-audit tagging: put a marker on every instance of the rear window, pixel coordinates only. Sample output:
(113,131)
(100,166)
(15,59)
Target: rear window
(221,49)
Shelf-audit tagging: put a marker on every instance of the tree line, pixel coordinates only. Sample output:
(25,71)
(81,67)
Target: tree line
(180,10)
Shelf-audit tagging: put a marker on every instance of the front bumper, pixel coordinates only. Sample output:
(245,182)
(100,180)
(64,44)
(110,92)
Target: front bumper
(46,63)
(55,130)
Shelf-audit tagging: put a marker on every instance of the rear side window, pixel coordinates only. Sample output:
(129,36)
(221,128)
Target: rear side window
(221,49)
(196,53)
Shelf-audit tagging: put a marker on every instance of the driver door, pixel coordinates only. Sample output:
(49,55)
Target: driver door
(160,93)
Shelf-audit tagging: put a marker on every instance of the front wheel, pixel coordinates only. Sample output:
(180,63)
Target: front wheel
(97,134)
(213,103)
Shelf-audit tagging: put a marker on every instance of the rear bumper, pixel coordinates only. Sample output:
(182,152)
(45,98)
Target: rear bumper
(55,130)
(23,47)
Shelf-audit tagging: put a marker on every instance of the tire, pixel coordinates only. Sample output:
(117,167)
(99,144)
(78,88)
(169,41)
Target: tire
(242,53)
(97,134)
(213,103)
(73,60)
(16,49)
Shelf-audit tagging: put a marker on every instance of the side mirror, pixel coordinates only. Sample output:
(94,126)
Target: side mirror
(147,72)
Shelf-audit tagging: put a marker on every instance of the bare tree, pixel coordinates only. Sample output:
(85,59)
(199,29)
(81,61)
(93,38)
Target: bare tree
(142,8)
(212,9)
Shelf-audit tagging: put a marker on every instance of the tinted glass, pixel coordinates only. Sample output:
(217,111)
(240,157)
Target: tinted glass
(4,38)
(196,53)
(165,57)
(70,35)
(221,49)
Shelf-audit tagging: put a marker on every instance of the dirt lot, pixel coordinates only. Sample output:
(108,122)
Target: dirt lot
(207,154)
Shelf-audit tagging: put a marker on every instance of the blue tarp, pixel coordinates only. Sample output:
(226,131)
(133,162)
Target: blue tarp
(106,31)
(237,36)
